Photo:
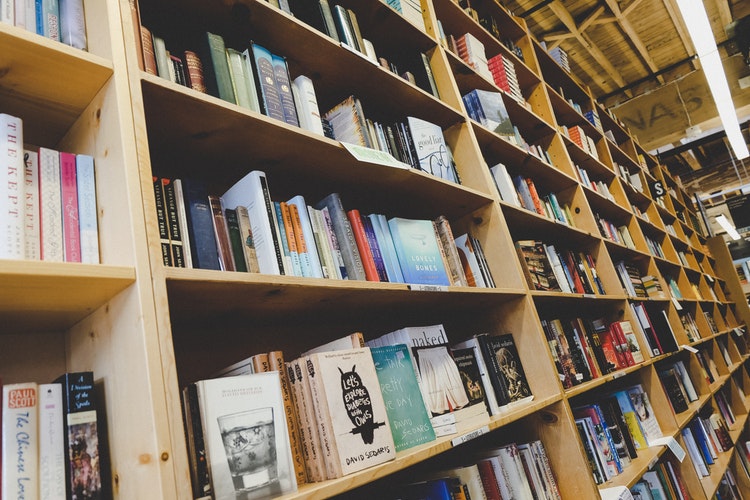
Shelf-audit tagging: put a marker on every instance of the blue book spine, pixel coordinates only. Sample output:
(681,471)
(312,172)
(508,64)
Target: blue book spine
(284,86)
(289,256)
(48,19)
(200,221)
(377,255)
(87,215)
(272,105)
(523,189)
(383,235)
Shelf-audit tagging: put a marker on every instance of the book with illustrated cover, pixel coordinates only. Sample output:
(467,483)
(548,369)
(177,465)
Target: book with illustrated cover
(84,461)
(246,438)
(430,149)
(20,441)
(418,253)
(410,422)
(351,398)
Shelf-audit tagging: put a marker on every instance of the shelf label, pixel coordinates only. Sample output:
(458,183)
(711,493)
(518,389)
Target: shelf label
(470,435)
(672,444)
(369,155)
(428,288)
(690,348)
(589,296)
(618,375)
(676,304)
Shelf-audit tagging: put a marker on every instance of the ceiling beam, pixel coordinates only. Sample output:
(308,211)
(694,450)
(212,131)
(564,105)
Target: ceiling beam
(725,15)
(679,25)
(635,39)
(630,7)
(567,19)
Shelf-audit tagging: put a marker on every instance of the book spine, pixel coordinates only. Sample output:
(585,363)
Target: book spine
(291,264)
(284,86)
(235,239)
(223,245)
(200,222)
(246,238)
(334,243)
(48,19)
(305,252)
(50,210)
(7,11)
(149,56)
(69,194)
(269,93)
(216,68)
(317,466)
(12,245)
(31,228)
(176,240)
(345,237)
(323,418)
(87,209)
(309,112)
(135,19)
(276,363)
(51,443)
(199,475)
(291,238)
(493,369)
(20,441)
(377,254)
(161,218)
(72,24)
(194,72)
(368,261)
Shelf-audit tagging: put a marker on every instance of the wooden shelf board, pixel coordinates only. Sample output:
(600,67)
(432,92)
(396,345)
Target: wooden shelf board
(48,84)
(716,471)
(633,472)
(198,296)
(49,296)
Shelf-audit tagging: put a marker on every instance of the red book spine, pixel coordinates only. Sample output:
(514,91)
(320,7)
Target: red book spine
(617,341)
(535,197)
(489,481)
(149,57)
(623,343)
(371,272)
(69,192)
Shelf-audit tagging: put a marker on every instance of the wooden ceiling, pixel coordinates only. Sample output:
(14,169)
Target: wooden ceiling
(636,57)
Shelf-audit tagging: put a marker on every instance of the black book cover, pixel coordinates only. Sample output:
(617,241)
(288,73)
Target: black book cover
(672,387)
(200,221)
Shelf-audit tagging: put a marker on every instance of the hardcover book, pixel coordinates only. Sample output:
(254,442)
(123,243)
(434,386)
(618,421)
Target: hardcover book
(418,253)
(216,67)
(83,473)
(410,422)
(306,101)
(200,222)
(353,402)
(69,194)
(270,98)
(284,86)
(246,438)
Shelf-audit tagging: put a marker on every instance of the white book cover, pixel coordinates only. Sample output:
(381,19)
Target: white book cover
(239,80)
(246,439)
(356,408)
(312,256)
(32,234)
(247,60)
(328,267)
(12,185)
(51,443)
(50,208)
(505,185)
(250,193)
(30,15)
(7,11)
(72,23)
(20,441)
(19,13)
(432,151)
(87,209)
(307,104)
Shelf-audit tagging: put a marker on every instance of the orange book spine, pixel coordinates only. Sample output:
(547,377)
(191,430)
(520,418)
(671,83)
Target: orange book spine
(371,272)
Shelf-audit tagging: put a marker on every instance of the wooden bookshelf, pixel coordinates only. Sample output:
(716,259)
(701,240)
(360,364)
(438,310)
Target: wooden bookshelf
(146,330)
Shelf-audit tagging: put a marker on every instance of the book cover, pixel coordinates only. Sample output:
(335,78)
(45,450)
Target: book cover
(87,209)
(199,476)
(645,413)
(83,473)
(342,228)
(284,86)
(200,221)
(348,122)
(12,244)
(410,422)
(246,436)
(252,192)
(418,253)
(353,401)
(69,195)
(20,441)
(507,363)
(270,98)
(31,226)
(51,443)
(433,155)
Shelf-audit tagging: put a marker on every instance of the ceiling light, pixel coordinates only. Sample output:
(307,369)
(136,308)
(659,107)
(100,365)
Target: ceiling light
(727,226)
(696,20)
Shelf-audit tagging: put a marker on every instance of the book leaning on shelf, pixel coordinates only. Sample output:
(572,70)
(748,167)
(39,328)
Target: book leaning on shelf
(48,201)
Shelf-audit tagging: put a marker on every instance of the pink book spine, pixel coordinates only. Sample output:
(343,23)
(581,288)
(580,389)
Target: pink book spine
(69,191)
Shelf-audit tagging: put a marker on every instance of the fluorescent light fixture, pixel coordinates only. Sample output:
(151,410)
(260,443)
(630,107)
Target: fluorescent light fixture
(696,20)
(727,226)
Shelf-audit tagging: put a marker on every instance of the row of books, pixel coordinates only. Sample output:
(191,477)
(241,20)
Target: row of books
(638,285)
(598,186)
(614,428)
(418,143)
(584,349)
(48,207)
(548,269)
(662,481)
(678,385)
(50,441)
(264,426)
(631,179)
(576,134)
(654,247)
(619,234)
(653,320)
(321,240)
(514,470)
(61,21)
(706,436)
(522,192)
(690,326)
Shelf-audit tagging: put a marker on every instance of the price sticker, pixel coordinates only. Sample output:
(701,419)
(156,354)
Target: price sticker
(428,288)
(470,435)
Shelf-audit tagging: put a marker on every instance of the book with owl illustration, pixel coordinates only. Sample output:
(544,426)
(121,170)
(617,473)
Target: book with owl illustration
(410,422)
(246,437)
(351,397)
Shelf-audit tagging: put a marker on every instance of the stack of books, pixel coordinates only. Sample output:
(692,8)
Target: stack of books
(504,75)
(560,57)
(471,50)
(576,134)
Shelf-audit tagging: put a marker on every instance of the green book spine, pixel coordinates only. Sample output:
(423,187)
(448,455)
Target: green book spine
(235,239)
(218,78)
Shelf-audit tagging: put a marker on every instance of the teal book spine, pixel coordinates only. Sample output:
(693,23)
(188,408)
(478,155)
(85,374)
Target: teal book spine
(410,422)
(269,92)
(418,253)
